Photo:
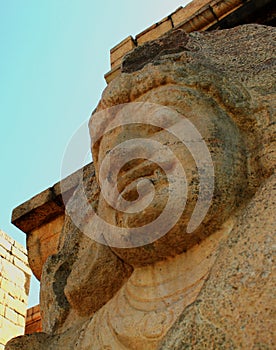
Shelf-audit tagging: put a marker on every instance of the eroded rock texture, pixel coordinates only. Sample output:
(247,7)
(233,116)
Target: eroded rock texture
(208,289)
(234,309)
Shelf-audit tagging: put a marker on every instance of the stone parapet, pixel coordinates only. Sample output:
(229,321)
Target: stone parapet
(198,15)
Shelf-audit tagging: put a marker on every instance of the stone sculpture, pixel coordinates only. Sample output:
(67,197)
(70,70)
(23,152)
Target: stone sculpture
(206,289)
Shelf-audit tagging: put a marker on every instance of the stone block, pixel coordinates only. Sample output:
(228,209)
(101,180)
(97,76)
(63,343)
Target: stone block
(6,285)
(11,314)
(42,242)
(5,254)
(19,254)
(10,271)
(16,305)
(33,320)
(33,327)
(4,243)
(184,13)
(21,265)
(202,14)
(119,51)
(223,8)
(10,331)
(38,210)
(112,74)
(41,218)
(45,206)
(155,31)
(33,313)
(6,237)
(204,19)
(14,290)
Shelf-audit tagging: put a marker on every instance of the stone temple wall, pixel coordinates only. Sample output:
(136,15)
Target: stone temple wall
(33,320)
(15,277)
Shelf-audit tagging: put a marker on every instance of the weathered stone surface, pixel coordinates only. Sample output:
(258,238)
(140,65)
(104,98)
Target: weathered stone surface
(152,50)
(42,242)
(202,15)
(42,218)
(207,289)
(234,309)
(207,73)
(43,341)
(83,275)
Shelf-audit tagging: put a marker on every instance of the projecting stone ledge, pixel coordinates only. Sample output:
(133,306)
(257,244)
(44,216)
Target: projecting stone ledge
(42,218)
(198,15)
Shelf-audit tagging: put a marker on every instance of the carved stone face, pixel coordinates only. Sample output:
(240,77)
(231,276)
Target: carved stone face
(217,137)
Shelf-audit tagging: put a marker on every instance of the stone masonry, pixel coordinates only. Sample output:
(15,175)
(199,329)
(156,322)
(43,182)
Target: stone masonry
(33,320)
(197,15)
(14,288)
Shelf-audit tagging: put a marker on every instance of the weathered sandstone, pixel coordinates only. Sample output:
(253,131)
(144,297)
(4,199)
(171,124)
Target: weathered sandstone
(209,288)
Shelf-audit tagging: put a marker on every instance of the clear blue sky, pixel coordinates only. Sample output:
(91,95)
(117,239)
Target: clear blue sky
(54,54)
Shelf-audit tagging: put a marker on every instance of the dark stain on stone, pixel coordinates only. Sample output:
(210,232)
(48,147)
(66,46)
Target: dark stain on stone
(153,50)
